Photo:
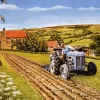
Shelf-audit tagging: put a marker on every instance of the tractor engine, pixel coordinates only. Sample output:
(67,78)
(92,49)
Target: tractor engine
(76,60)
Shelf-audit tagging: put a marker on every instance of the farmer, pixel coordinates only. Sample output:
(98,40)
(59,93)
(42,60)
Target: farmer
(52,52)
(0,63)
(65,49)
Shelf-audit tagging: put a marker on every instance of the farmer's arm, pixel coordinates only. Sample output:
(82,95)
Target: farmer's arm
(62,54)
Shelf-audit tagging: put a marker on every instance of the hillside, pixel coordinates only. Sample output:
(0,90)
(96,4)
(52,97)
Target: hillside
(71,34)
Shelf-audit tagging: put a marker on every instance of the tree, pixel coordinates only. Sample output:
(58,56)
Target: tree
(43,45)
(56,37)
(32,43)
(1,17)
(95,43)
(97,50)
(3,1)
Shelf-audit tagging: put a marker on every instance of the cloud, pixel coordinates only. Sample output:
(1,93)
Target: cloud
(9,26)
(88,9)
(9,7)
(47,9)
(54,20)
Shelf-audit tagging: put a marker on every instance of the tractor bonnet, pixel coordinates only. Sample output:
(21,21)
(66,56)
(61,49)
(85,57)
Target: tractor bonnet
(75,53)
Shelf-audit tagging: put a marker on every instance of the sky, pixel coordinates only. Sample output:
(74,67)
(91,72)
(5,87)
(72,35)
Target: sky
(21,14)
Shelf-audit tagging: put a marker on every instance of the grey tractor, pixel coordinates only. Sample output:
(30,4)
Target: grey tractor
(73,61)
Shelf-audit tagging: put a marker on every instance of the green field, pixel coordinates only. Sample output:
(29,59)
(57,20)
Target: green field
(84,42)
(68,40)
(47,37)
(65,36)
(28,93)
(93,81)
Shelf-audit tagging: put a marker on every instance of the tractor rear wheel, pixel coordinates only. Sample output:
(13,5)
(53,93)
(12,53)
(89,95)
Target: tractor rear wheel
(54,69)
(64,71)
(91,68)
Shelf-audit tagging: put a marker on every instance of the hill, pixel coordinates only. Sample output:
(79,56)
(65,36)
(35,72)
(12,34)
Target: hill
(71,34)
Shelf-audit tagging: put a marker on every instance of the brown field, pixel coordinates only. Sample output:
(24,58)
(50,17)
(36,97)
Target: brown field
(51,87)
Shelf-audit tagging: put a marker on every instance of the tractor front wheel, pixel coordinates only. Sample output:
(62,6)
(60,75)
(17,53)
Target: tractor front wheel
(64,71)
(91,68)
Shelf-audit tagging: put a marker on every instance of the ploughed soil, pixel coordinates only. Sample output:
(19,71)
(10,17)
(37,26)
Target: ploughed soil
(51,87)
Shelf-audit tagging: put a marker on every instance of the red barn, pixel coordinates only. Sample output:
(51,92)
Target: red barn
(8,35)
(52,44)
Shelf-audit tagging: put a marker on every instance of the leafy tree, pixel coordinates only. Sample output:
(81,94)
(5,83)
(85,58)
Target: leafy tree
(56,37)
(1,17)
(97,50)
(95,43)
(32,43)
(43,45)
(13,43)
(70,41)
(3,1)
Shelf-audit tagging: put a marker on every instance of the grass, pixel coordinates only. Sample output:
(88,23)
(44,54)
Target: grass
(47,37)
(64,36)
(40,58)
(67,40)
(93,81)
(83,42)
(27,92)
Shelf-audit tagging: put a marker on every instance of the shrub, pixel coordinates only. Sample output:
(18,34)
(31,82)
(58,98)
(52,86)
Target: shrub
(97,50)
(8,91)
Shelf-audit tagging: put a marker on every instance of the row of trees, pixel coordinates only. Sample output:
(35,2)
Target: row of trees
(32,43)
(56,37)
(95,45)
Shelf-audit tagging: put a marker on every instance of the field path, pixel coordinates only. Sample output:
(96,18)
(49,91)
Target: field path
(51,87)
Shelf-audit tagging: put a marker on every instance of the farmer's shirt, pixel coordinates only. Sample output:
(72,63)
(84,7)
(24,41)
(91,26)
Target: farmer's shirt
(67,49)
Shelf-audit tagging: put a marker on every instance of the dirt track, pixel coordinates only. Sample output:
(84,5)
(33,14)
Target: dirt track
(51,87)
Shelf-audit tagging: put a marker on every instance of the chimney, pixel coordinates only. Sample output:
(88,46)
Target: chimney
(24,29)
(3,29)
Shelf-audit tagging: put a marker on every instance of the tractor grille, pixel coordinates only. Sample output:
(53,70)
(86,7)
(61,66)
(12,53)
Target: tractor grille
(83,60)
(77,61)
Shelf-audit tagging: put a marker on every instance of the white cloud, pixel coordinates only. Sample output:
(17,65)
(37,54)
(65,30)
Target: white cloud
(9,7)
(9,26)
(88,9)
(54,20)
(47,9)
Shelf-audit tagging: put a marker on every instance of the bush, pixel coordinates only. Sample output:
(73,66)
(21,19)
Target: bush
(70,41)
(8,91)
(93,45)
(97,50)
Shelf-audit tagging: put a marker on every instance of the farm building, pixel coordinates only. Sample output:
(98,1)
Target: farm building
(9,35)
(85,49)
(52,44)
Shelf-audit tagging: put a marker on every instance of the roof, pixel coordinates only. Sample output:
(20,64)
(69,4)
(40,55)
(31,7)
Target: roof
(58,48)
(78,47)
(15,34)
(53,44)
